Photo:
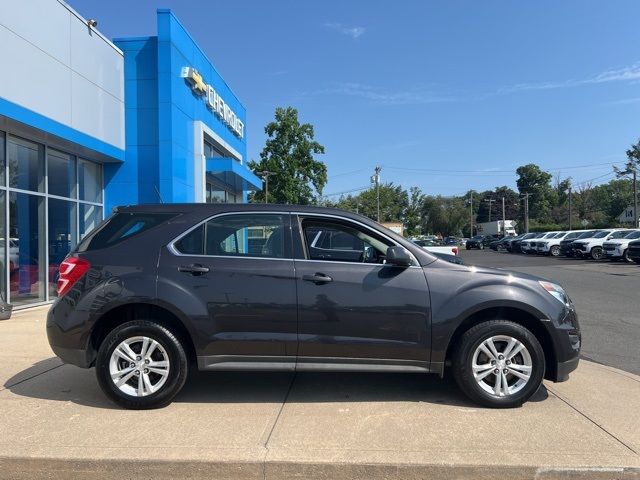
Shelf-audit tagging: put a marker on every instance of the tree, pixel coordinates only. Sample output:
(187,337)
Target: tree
(631,168)
(295,176)
(413,214)
(446,216)
(537,183)
(394,202)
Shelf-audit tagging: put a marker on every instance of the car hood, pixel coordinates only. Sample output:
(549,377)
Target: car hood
(492,274)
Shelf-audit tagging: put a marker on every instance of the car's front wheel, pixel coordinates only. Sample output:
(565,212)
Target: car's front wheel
(499,363)
(141,365)
(597,253)
(555,251)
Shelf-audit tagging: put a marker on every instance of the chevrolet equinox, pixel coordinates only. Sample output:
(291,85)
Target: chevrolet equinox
(156,290)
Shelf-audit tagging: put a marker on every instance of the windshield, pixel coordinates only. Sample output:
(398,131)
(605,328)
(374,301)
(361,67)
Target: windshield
(588,234)
(602,234)
(620,234)
(558,235)
(635,234)
(550,235)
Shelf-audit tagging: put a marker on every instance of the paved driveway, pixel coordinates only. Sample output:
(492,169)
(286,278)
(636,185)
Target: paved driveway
(606,294)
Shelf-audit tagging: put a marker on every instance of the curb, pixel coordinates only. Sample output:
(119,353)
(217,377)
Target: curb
(73,469)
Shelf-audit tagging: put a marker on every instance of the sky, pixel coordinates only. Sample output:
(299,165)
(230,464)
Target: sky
(446,96)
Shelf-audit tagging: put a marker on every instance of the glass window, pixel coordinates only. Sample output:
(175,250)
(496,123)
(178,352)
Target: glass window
(26,165)
(235,235)
(339,242)
(26,233)
(120,227)
(2,159)
(90,181)
(192,243)
(62,236)
(61,172)
(212,152)
(8,248)
(90,218)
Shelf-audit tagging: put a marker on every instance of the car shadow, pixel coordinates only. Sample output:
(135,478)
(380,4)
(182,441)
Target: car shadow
(67,383)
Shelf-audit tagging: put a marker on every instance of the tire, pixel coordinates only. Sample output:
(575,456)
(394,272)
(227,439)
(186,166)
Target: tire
(481,247)
(597,253)
(625,256)
(516,392)
(168,349)
(554,251)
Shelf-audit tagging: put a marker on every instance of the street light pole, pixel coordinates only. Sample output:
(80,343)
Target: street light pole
(265,175)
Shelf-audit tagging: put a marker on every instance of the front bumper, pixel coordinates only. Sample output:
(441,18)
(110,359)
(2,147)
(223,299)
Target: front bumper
(563,369)
(567,340)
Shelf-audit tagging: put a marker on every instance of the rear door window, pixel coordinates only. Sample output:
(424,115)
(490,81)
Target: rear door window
(238,235)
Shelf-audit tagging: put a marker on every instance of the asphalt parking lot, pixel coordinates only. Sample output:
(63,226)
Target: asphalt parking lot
(606,295)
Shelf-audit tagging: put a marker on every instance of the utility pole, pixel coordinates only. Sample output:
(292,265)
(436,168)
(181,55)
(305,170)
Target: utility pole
(376,179)
(471,215)
(490,200)
(570,210)
(504,226)
(635,197)
(526,212)
(265,176)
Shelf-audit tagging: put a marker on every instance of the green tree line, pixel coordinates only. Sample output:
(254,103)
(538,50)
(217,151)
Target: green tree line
(296,176)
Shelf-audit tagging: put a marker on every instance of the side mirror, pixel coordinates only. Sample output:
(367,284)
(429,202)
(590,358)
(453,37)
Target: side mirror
(398,256)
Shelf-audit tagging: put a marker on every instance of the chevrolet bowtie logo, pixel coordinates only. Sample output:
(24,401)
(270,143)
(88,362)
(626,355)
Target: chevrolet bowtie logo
(195,79)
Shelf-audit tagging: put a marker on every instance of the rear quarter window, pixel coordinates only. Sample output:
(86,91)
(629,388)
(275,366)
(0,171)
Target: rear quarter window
(121,227)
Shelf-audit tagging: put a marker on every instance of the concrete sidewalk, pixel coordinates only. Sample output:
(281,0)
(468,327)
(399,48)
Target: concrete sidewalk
(56,423)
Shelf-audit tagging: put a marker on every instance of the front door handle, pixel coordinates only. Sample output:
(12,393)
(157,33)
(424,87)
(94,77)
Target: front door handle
(317,278)
(194,269)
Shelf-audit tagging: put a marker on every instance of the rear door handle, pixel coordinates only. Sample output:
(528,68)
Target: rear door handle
(317,278)
(195,269)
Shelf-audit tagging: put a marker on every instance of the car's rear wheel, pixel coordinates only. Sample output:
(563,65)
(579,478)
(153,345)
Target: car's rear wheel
(555,251)
(597,253)
(141,365)
(499,364)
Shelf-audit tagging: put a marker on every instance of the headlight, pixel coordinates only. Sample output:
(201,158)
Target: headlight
(556,291)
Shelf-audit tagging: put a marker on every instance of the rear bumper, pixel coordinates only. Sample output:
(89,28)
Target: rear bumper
(72,356)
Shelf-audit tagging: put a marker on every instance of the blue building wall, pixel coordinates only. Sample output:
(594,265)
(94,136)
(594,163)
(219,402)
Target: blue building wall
(161,108)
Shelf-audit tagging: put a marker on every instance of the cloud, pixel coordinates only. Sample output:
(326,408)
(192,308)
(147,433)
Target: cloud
(629,73)
(382,96)
(351,31)
(625,101)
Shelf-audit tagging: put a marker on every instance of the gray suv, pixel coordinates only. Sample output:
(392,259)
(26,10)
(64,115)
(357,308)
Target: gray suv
(157,290)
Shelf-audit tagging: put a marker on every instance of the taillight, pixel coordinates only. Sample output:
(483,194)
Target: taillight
(455,250)
(70,271)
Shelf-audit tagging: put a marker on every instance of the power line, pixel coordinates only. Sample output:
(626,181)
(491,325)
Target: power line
(346,191)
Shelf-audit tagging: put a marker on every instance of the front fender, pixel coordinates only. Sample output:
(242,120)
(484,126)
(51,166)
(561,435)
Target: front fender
(459,293)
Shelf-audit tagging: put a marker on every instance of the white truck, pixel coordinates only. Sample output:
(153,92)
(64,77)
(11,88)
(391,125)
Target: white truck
(495,228)
(434,247)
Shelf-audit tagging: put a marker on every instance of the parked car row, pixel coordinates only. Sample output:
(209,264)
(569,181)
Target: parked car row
(596,244)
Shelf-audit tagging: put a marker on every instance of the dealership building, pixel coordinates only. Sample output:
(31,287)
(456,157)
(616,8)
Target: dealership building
(87,123)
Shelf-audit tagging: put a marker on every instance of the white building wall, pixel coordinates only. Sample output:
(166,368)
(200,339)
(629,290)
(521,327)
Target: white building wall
(55,65)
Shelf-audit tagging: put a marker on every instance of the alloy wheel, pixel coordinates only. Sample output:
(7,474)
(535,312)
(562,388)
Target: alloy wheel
(139,366)
(502,365)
